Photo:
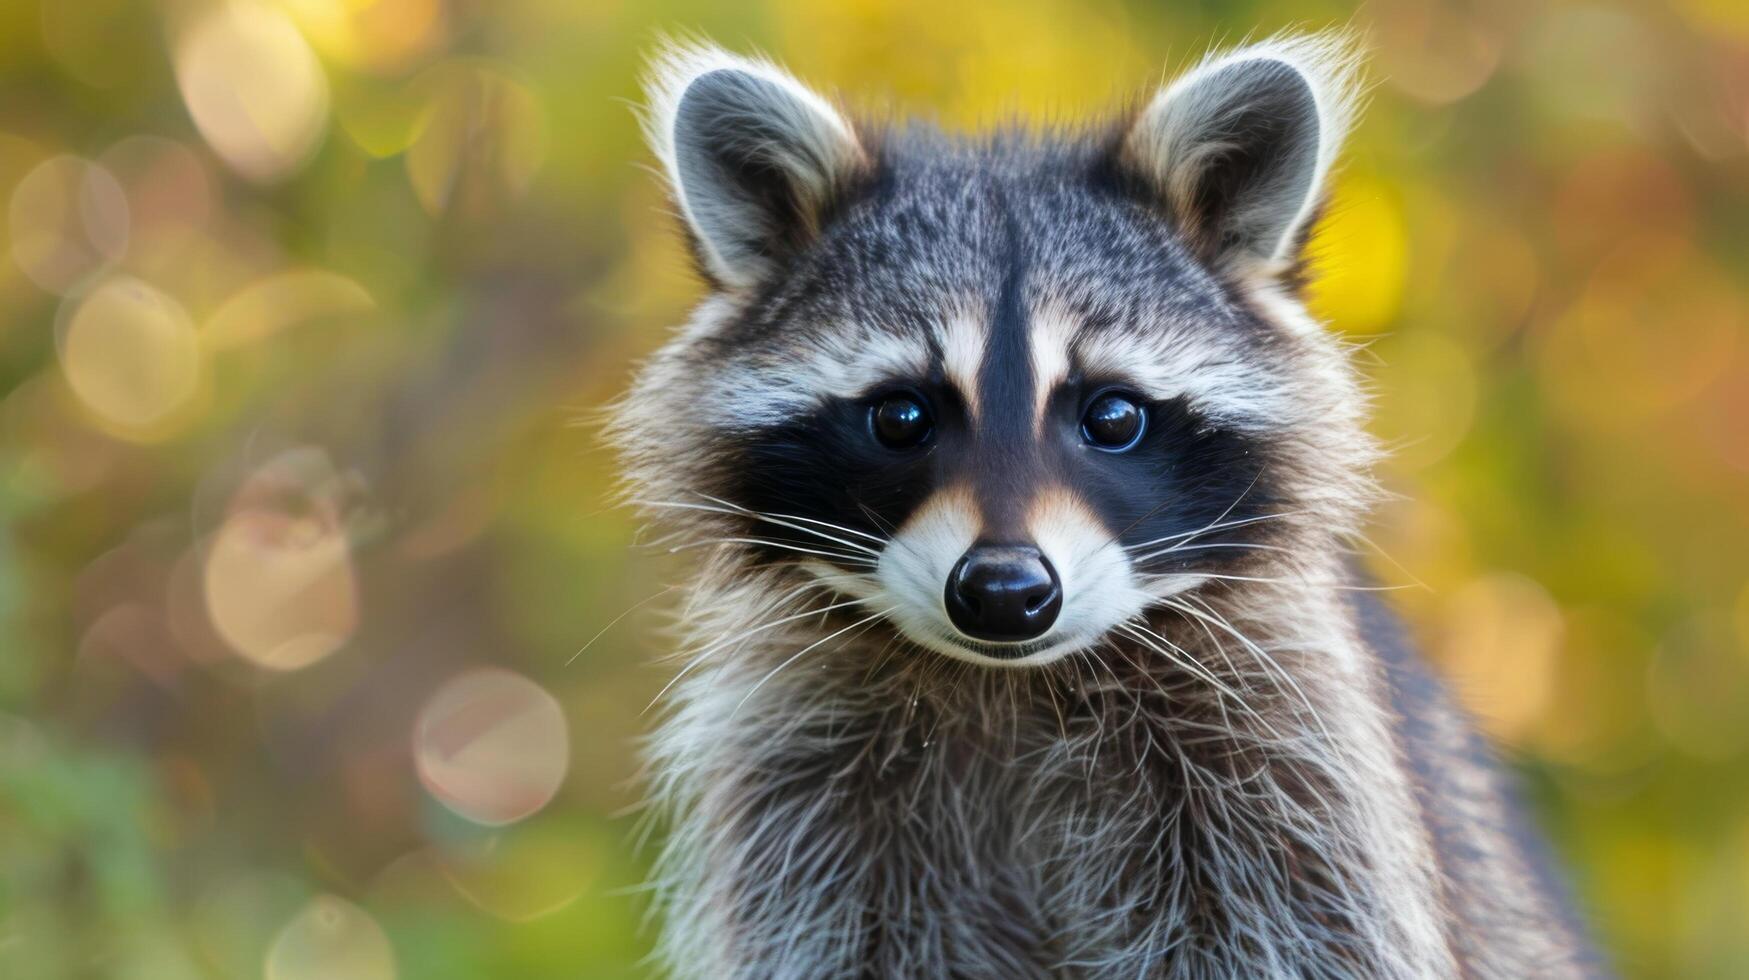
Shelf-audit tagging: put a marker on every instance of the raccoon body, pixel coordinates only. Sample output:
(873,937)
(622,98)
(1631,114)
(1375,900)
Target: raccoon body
(1024,642)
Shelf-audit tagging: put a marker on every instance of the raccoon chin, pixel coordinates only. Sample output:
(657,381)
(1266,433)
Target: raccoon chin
(1024,654)
(1006,656)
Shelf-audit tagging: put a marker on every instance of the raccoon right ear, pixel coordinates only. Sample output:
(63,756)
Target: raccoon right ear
(754,159)
(1238,149)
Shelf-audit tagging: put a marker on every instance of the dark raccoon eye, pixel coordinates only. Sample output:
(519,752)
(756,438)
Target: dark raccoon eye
(900,421)
(1114,422)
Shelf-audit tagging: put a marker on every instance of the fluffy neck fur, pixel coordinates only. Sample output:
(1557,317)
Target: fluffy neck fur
(858,810)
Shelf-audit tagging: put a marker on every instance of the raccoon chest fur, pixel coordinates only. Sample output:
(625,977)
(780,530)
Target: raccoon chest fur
(1101,820)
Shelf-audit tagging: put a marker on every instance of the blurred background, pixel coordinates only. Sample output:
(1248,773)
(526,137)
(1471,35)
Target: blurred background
(312,657)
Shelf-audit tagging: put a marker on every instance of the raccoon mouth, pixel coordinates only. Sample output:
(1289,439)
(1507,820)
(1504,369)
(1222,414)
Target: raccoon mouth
(997,654)
(1000,651)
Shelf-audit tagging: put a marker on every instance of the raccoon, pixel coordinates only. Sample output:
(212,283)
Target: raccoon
(1024,640)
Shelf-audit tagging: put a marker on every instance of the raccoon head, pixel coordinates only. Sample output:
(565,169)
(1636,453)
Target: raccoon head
(1007,392)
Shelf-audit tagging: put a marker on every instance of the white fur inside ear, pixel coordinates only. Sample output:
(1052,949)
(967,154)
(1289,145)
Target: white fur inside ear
(1282,108)
(749,152)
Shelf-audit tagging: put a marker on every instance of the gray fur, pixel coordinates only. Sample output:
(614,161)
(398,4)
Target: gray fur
(1218,784)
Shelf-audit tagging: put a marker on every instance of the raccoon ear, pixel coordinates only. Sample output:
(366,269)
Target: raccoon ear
(1238,149)
(754,159)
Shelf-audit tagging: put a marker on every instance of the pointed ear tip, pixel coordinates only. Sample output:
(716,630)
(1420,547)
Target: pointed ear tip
(1331,62)
(670,68)
(1321,52)
(674,64)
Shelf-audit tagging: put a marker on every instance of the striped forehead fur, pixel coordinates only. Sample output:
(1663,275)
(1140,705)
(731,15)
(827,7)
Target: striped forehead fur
(963,341)
(1164,360)
(775,385)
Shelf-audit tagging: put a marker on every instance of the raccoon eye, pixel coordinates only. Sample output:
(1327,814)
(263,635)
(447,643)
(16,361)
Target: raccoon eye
(1114,422)
(900,421)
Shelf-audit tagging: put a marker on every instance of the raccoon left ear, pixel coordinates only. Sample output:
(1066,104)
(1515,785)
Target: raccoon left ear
(1238,149)
(755,159)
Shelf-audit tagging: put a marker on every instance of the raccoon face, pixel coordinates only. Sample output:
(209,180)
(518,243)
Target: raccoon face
(1006,394)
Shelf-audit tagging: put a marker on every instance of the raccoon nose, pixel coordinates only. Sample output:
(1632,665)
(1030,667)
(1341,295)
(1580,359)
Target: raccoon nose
(1003,593)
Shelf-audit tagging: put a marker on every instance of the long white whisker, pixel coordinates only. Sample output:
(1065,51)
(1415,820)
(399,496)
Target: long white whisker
(702,654)
(1399,566)
(616,620)
(1180,657)
(1183,659)
(803,651)
(1211,528)
(1242,495)
(877,539)
(1339,586)
(782,520)
(780,545)
(1235,546)
(1263,655)
(1222,516)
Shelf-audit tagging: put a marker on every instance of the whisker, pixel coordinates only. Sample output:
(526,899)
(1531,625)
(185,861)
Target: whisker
(784,520)
(1339,586)
(877,539)
(1237,546)
(780,545)
(1399,566)
(875,519)
(1211,528)
(703,653)
(1178,655)
(641,603)
(1242,495)
(865,621)
(1223,515)
(1263,655)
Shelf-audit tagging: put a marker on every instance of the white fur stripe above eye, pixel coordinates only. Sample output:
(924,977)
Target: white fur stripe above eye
(963,340)
(835,363)
(1217,380)
(1052,334)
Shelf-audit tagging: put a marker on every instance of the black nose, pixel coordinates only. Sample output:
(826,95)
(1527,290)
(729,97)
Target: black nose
(1003,593)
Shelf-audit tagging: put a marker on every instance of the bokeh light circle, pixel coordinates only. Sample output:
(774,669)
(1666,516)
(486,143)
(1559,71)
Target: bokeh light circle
(1430,397)
(1437,52)
(170,194)
(1502,642)
(1657,322)
(331,939)
(382,36)
(131,355)
(68,218)
(279,580)
(1362,258)
(481,138)
(254,88)
(1696,687)
(525,873)
(492,745)
(281,300)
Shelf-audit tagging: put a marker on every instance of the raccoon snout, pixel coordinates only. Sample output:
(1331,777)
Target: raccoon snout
(1003,593)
